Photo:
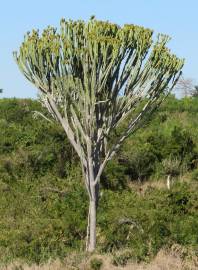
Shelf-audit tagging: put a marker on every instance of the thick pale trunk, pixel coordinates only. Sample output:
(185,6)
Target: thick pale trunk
(93,190)
(92,227)
(168,181)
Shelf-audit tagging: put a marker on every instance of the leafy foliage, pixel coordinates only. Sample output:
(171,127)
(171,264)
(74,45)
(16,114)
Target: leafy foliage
(96,264)
(43,211)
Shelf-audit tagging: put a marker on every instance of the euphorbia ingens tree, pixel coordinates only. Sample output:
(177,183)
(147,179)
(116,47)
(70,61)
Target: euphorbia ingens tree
(92,76)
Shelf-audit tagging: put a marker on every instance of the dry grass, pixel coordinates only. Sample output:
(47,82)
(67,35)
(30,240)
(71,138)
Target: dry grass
(142,188)
(159,184)
(163,261)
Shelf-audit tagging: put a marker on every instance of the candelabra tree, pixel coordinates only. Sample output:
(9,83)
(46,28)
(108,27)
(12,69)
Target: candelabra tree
(91,76)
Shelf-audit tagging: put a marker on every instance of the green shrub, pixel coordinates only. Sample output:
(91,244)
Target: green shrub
(171,166)
(18,267)
(194,175)
(122,259)
(96,263)
(43,204)
(114,176)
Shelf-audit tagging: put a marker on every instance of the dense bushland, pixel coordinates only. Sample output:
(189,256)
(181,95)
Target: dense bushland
(43,211)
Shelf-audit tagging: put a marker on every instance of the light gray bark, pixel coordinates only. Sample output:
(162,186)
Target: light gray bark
(168,181)
(92,214)
(92,227)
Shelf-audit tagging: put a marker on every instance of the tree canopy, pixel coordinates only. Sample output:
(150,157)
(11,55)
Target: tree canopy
(97,72)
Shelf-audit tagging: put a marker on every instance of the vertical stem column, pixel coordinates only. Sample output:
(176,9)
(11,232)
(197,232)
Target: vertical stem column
(92,226)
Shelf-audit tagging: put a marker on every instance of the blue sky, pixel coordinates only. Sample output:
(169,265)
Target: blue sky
(177,18)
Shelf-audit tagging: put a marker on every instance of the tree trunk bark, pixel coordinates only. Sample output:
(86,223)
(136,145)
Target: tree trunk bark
(168,183)
(91,227)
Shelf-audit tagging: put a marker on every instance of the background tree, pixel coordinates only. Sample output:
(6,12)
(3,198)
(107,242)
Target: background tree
(185,87)
(195,91)
(91,77)
(171,167)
